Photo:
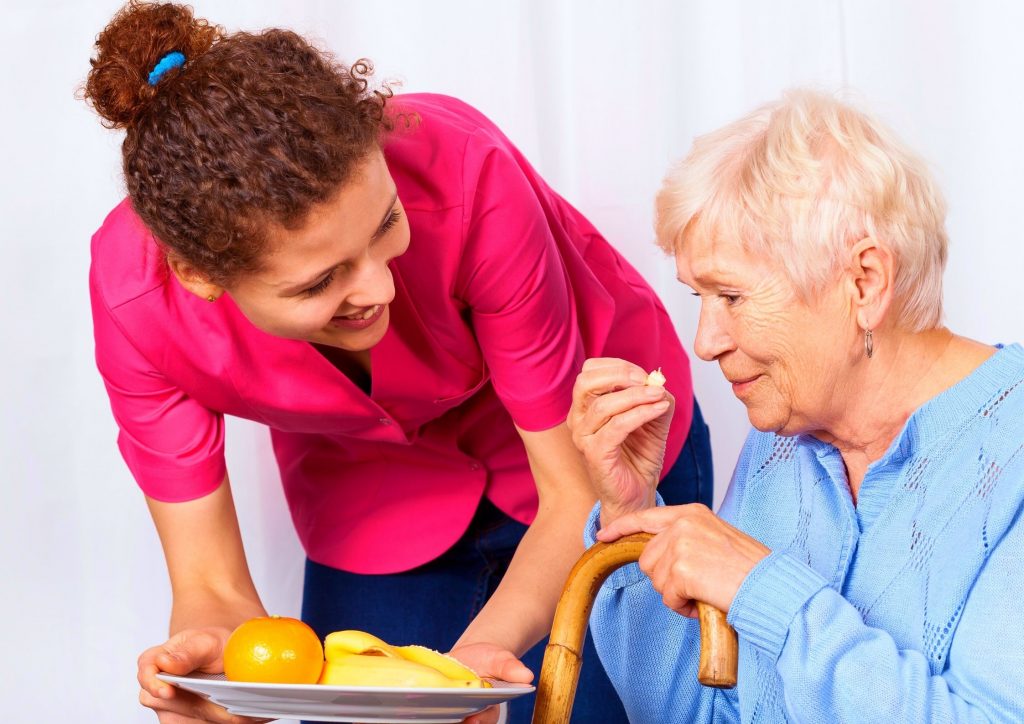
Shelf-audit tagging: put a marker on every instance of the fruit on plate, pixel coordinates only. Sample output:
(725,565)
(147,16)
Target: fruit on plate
(274,650)
(447,665)
(357,658)
(656,378)
(377,670)
(357,642)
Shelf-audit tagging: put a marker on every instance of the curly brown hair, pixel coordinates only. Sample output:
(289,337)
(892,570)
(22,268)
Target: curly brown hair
(251,133)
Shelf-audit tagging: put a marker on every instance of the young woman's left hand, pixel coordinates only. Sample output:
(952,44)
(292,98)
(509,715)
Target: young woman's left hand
(493,662)
(694,555)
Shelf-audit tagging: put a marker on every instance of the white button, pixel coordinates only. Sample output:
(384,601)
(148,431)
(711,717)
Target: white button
(474,465)
(385,421)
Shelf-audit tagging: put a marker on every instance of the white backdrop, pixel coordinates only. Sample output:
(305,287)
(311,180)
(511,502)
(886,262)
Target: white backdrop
(600,95)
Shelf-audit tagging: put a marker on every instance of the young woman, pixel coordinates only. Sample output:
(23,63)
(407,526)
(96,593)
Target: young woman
(393,290)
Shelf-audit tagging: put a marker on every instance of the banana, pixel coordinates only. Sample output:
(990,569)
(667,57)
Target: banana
(377,670)
(340,643)
(357,658)
(447,665)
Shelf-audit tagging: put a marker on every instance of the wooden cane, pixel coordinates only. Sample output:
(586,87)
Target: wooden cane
(563,656)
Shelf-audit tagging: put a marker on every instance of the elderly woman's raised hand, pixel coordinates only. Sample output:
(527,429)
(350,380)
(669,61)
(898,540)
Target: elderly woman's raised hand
(694,555)
(621,425)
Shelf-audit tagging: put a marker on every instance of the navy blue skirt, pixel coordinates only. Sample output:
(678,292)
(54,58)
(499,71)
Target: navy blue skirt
(433,604)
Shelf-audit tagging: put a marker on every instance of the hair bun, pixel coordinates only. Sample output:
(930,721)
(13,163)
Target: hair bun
(130,47)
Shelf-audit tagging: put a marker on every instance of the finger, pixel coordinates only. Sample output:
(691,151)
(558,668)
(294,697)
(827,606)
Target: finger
(607,376)
(596,363)
(190,651)
(673,580)
(689,609)
(656,565)
(602,409)
(154,686)
(613,433)
(508,668)
(191,708)
(487,716)
(667,558)
(652,559)
(651,520)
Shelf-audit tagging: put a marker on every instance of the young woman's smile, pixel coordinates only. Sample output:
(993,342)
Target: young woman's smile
(329,281)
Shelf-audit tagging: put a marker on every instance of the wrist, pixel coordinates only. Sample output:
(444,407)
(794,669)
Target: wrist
(612,510)
(205,612)
(483,637)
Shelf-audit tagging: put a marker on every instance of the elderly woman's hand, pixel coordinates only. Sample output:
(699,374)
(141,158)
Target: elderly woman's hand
(621,426)
(694,555)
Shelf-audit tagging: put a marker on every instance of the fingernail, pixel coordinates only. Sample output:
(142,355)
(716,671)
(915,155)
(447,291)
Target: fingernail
(661,406)
(638,378)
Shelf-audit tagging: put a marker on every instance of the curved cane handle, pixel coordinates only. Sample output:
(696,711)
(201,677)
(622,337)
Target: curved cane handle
(563,656)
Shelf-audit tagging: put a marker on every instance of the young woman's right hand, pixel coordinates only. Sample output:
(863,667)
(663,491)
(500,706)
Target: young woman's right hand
(213,593)
(621,425)
(190,650)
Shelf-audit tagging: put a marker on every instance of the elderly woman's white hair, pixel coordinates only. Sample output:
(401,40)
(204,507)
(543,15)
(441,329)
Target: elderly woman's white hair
(801,180)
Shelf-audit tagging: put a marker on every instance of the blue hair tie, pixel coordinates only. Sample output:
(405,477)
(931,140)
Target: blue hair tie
(172,60)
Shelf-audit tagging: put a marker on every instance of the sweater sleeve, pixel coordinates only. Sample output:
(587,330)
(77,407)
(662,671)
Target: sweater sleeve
(834,667)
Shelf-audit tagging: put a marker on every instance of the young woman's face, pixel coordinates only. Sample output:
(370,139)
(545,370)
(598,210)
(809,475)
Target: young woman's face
(329,281)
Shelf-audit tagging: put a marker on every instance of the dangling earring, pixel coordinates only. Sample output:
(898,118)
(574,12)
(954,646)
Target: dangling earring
(869,343)
(212,298)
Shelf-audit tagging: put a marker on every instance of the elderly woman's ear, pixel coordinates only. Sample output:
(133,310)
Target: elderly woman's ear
(870,283)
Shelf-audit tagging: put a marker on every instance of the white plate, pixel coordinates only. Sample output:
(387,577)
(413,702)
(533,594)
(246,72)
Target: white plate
(369,704)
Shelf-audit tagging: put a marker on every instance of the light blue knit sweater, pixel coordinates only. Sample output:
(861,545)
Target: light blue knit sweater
(908,607)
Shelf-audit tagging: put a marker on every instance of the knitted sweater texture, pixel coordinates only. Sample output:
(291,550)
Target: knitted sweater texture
(908,607)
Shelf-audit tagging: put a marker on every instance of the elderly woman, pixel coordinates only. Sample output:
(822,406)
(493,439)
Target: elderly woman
(869,549)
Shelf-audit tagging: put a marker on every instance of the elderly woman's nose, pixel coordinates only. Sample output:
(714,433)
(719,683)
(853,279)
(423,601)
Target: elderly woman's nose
(712,339)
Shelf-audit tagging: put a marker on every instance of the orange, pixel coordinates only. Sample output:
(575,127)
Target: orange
(274,650)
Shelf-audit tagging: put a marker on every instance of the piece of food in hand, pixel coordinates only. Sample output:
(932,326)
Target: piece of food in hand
(385,665)
(274,650)
(656,378)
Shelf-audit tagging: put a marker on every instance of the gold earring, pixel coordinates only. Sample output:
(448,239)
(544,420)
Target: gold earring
(212,298)
(869,343)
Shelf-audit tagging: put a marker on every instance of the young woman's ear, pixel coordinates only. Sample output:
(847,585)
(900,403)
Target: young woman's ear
(193,280)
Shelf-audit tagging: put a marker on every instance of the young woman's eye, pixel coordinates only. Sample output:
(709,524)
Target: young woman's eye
(392,219)
(321,285)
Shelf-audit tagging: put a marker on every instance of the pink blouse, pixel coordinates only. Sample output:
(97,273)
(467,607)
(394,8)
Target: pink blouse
(504,291)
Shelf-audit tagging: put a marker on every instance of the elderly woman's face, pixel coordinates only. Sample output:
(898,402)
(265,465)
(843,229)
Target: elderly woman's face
(782,356)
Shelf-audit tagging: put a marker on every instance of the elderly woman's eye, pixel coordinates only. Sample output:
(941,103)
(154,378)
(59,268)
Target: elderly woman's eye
(730,299)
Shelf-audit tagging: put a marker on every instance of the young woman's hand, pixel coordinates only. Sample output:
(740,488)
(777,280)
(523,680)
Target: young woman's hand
(493,662)
(621,426)
(213,593)
(185,652)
